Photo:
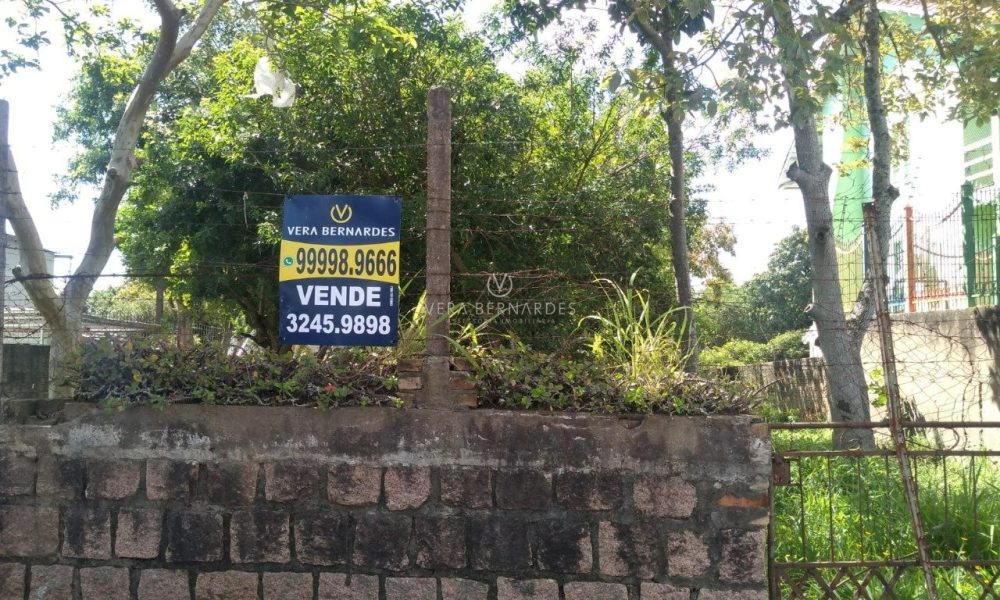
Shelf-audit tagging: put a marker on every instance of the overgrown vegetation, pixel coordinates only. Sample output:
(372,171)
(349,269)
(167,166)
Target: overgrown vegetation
(853,509)
(626,359)
(764,318)
(155,371)
(784,346)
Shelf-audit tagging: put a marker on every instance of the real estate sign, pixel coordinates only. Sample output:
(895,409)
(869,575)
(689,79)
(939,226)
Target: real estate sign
(338,272)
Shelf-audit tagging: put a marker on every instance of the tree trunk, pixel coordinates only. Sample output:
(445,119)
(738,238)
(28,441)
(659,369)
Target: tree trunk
(63,312)
(64,346)
(662,38)
(846,388)
(883,192)
(678,229)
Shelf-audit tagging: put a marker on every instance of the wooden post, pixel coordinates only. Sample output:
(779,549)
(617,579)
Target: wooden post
(911,263)
(158,315)
(436,388)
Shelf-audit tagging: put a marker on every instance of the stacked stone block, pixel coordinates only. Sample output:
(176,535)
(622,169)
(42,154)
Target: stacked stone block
(302,526)
(462,384)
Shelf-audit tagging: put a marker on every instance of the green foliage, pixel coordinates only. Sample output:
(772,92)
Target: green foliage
(121,373)
(968,32)
(778,296)
(549,171)
(28,23)
(629,363)
(788,345)
(734,353)
(877,391)
(763,319)
(854,508)
(769,304)
(135,301)
(738,352)
(642,346)
(514,376)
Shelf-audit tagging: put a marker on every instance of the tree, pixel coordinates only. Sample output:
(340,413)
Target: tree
(802,51)
(964,34)
(768,304)
(551,171)
(660,27)
(778,51)
(779,296)
(63,311)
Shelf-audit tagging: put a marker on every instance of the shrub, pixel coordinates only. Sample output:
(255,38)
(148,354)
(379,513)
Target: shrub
(641,346)
(516,377)
(125,372)
(733,353)
(783,346)
(787,346)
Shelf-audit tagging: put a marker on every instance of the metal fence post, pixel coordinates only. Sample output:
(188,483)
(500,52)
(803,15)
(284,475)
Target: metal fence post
(894,402)
(5,168)
(911,263)
(969,244)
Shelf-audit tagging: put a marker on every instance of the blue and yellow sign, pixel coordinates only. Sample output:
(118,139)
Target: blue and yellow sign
(338,271)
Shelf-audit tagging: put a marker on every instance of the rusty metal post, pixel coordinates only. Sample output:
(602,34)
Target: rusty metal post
(892,391)
(911,263)
(436,388)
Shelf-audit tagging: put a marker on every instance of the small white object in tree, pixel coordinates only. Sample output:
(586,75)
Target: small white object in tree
(269,81)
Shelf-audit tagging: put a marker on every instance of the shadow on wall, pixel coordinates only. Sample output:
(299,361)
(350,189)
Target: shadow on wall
(988,324)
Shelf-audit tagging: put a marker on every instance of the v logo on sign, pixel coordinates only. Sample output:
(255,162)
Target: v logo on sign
(341,213)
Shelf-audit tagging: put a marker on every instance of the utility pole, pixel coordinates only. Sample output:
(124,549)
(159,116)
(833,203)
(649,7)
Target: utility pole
(436,369)
(5,168)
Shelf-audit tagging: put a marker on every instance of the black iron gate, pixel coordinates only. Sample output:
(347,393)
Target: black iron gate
(840,526)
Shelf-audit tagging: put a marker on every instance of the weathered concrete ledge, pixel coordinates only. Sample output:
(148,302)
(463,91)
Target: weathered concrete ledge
(383,504)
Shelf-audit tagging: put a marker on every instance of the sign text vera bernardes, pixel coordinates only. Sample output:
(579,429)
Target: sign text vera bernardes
(338,273)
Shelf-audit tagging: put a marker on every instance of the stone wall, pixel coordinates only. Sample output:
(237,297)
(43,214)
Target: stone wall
(382,504)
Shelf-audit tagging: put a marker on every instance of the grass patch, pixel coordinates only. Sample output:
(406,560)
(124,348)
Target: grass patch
(853,508)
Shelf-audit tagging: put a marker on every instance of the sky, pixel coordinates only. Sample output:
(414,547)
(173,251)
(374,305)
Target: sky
(748,197)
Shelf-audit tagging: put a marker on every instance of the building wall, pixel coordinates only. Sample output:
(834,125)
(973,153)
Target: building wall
(981,151)
(22,323)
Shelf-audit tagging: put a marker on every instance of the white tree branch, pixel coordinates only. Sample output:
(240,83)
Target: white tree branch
(169,53)
(41,291)
(194,33)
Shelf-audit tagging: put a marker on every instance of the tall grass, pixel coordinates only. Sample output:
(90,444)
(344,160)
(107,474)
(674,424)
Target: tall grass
(853,508)
(413,331)
(644,346)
